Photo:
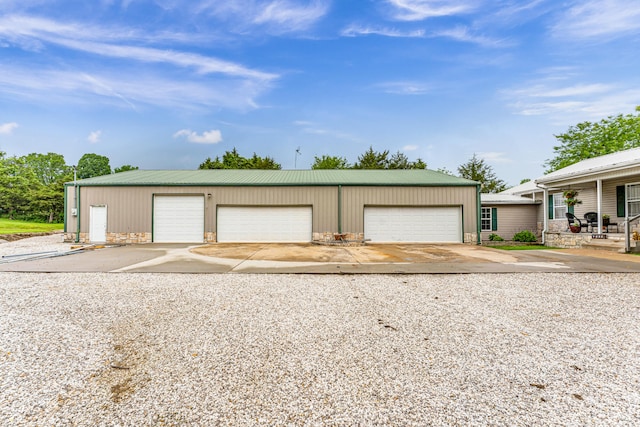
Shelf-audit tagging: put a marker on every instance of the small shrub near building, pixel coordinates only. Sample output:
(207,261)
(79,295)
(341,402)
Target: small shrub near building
(495,238)
(524,236)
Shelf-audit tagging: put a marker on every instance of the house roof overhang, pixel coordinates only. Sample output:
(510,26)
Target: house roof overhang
(610,166)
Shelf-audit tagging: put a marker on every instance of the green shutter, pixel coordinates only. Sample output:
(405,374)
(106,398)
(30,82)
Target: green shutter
(550,206)
(620,200)
(570,209)
(494,219)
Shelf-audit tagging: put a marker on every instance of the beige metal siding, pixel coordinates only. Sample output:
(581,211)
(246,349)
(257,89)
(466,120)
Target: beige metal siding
(323,199)
(130,208)
(513,219)
(355,198)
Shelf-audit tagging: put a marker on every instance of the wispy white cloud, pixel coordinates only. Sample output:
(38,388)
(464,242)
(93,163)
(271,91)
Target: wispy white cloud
(291,15)
(558,97)
(410,148)
(599,19)
(463,34)
(314,129)
(357,30)
(119,89)
(8,128)
(418,10)
(34,33)
(94,137)
(404,88)
(275,16)
(207,137)
(494,157)
(542,90)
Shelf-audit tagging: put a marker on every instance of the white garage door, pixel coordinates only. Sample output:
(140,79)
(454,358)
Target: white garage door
(264,224)
(413,224)
(178,219)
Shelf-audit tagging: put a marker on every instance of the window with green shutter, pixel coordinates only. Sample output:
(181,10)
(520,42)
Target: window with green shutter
(620,201)
(494,219)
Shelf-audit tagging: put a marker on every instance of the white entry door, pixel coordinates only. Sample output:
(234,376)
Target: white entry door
(98,224)
(265,224)
(413,224)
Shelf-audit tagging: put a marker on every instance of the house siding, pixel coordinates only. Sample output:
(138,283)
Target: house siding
(513,219)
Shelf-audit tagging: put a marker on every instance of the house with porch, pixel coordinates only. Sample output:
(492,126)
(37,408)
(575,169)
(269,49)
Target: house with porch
(607,185)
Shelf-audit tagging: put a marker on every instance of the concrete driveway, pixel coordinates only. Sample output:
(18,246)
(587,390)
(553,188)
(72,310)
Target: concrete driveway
(307,258)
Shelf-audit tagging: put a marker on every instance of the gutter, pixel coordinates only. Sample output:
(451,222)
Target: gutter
(478,215)
(340,209)
(545,210)
(586,174)
(77,191)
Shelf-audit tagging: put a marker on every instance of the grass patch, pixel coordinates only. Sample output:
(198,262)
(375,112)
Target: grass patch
(524,247)
(12,226)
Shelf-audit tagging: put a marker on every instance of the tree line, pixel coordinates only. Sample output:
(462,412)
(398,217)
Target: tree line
(33,185)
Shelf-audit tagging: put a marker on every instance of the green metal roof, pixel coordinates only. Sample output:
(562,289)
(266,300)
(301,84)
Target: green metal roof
(236,177)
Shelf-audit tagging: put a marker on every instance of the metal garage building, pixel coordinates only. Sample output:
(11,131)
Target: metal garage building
(272,206)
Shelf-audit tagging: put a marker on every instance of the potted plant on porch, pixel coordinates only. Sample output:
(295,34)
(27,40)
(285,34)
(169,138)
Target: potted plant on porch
(574,227)
(605,220)
(636,238)
(571,197)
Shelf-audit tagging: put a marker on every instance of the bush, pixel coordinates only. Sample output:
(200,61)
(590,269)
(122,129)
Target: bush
(524,236)
(495,238)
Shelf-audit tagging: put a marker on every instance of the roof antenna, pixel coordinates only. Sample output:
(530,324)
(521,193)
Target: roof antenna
(295,162)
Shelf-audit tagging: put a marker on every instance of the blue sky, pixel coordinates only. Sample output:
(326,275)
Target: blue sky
(165,84)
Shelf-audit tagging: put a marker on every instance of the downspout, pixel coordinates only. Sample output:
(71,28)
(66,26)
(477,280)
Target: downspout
(478,216)
(599,197)
(78,212)
(340,209)
(545,211)
(66,209)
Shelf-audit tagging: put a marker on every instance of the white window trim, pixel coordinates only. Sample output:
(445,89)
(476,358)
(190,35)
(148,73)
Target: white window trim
(559,205)
(628,201)
(483,219)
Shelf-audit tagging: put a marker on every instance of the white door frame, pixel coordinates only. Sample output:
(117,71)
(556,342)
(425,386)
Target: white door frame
(97,230)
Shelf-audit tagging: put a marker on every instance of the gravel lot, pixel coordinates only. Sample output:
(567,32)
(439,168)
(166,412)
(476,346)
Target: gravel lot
(152,349)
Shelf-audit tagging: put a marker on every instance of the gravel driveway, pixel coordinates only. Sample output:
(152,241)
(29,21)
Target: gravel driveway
(177,349)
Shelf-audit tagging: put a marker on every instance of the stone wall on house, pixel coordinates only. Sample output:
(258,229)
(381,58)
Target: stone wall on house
(566,240)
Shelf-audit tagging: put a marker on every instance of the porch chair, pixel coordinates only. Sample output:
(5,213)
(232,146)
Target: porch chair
(592,220)
(572,219)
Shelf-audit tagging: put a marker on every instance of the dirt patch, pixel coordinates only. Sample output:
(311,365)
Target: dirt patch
(304,252)
(20,236)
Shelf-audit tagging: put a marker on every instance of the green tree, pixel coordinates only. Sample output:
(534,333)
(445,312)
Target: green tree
(401,161)
(371,159)
(419,164)
(477,170)
(49,168)
(257,162)
(17,182)
(524,180)
(586,140)
(330,162)
(233,160)
(91,165)
(125,168)
(446,171)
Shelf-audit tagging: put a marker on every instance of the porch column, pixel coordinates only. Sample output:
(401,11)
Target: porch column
(599,193)
(545,213)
